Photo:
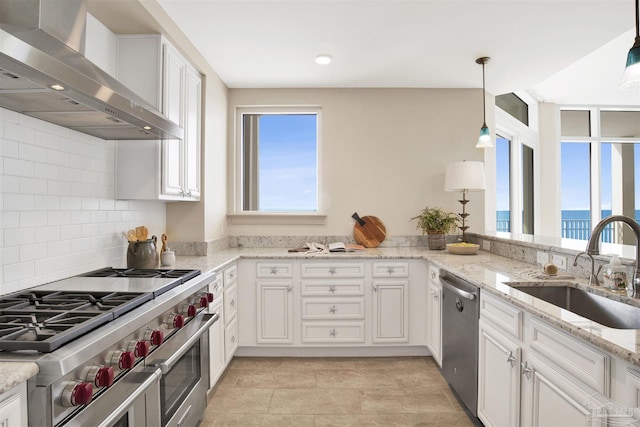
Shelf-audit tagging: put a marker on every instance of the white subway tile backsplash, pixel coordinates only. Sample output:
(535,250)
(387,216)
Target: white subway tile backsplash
(60,216)
(18,167)
(33,185)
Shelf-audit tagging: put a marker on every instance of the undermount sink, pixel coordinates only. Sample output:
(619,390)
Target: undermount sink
(602,310)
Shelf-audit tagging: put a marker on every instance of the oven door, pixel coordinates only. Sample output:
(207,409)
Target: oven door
(184,362)
(131,401)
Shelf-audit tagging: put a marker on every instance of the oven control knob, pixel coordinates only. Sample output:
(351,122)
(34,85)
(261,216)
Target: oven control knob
(101,376)
(191,310)
(139,348)
(175,320)
(75,394)
(123,359)
(154,336)
(210,296)
(204,301)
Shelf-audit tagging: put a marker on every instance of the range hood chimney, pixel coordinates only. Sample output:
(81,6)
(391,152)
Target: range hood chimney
(44,74)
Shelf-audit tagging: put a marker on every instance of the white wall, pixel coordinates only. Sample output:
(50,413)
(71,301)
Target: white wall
(58,215)
(383,153)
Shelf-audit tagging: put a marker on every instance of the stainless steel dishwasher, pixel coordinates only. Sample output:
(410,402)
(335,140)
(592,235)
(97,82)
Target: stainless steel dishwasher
(460,315)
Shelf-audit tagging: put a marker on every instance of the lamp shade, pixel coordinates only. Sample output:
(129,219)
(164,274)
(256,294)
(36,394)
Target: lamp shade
(631,76)
(464,176)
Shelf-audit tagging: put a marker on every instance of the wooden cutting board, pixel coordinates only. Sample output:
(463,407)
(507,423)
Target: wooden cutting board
(369,231)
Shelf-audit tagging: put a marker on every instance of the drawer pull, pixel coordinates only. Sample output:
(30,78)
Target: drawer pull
(333,310)
(332,289)
(274,270)
(511,359)
(333,333)
(332,271)
(390,270)
(433,274)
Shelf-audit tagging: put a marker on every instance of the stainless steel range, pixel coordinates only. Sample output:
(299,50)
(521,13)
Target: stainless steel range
(115,347)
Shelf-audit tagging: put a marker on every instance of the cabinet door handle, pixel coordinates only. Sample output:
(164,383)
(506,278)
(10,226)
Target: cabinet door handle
(232,303)
(289,288)
(525,369)
(332,271)
(333,309)
(375,288)
(433,274)
(511,359)
(233,338)
(332,289)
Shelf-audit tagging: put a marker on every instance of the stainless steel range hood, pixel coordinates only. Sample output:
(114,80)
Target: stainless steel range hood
(42,48)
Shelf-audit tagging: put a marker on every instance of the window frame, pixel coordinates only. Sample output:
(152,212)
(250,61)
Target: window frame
(236,214)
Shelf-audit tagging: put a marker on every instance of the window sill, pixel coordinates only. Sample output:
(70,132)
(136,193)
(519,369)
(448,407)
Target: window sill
(277,218)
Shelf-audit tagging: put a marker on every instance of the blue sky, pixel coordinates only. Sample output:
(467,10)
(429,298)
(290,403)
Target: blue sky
(288,162)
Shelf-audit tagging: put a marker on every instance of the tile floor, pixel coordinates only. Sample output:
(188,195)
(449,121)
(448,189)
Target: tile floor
(386,391)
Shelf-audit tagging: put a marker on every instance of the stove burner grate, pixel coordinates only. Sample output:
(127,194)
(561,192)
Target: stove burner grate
(183,275)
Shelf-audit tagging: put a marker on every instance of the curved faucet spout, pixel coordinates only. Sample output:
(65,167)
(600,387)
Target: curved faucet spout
(593,247)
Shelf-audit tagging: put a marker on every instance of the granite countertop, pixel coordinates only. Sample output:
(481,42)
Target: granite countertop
(15,373)
(488,271)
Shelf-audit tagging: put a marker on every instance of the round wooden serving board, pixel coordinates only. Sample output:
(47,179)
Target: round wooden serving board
(371,234)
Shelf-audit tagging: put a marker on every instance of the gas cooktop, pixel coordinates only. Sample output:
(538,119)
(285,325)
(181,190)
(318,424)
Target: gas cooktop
(46,317)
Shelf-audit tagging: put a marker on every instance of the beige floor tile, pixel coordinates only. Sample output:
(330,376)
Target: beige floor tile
(315,401)
(391,362)
(255,362)
(241,401)
(275,378)
(260,420)
(392,420)
(406,401)
(356,378)
(317,363)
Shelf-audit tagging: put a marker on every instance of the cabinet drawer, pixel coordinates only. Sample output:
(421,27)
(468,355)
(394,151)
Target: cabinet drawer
(216,288)
(328,308)
(570,357)
(271,269)
(230,339)
(390,269)
(230,303)
(230,275)
(502,314)
(320,270)
(332,332)
(332,287)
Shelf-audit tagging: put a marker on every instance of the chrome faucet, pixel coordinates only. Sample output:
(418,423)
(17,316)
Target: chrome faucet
(593,278)
(593,247)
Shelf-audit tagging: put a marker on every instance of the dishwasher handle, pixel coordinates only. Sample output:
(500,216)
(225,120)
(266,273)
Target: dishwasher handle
(461,293)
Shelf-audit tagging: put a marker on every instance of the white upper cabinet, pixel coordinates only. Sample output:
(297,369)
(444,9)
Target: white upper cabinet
(169,169)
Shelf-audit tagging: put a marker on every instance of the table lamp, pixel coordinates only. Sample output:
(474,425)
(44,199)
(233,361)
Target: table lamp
(464,176)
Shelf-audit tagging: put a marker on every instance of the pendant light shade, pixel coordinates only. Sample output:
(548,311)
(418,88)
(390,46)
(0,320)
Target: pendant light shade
(631,76)
(484,141)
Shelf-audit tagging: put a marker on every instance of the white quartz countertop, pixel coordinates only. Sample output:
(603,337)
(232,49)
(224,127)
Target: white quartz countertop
(486,270)
(15,373)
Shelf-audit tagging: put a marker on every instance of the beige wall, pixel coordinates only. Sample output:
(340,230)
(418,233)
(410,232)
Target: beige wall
(383,153)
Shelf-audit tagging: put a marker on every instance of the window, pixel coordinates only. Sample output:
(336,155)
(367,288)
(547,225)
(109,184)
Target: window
(503,192)
(279,160)
(600,154)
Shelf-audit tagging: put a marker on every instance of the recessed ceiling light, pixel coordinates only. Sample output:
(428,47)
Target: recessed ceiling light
(146,127)
(323,59)
(56,86)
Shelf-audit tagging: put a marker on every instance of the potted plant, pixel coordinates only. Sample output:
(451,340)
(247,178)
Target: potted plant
(436,223)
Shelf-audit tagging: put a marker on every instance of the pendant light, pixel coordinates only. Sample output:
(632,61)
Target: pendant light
(631,76)
(484,141)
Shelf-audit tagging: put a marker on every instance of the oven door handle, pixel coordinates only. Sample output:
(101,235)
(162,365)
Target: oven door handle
(208,319)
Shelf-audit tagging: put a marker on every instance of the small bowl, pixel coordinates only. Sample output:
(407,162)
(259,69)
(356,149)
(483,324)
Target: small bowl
(467,249)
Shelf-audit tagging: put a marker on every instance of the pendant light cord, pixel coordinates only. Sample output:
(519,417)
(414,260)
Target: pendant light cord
(484,102)
(637,19)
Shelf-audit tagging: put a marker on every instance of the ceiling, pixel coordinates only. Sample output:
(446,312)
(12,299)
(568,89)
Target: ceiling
(564,51)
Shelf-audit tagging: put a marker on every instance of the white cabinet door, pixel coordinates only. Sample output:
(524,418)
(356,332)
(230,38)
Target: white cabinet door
(173,107)
(275,312)
(216,347)
(498,378)
(230,339)
(192,133)
(434,327)
(390,311)
(13,407)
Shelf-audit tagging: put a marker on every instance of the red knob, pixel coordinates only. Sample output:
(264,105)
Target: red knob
(156,337)
(204,301)
(178,321)
(104,376)
(75,394)
(123,359)
(210,296)
(142,349)
(191,311)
